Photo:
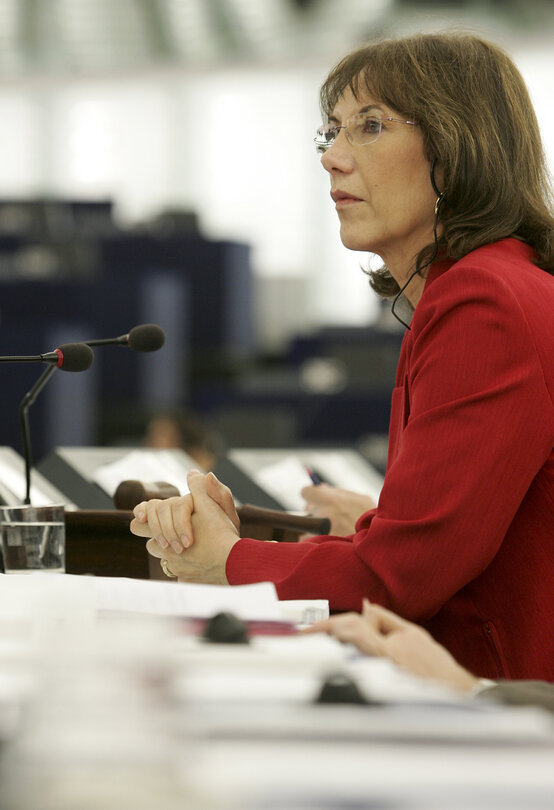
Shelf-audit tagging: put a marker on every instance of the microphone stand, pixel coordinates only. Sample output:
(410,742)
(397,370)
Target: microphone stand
(119,341)
(26,402)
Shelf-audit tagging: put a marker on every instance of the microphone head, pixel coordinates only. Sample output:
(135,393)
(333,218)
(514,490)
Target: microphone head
(74,357)
(146,338)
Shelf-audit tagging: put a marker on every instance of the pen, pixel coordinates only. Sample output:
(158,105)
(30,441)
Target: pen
(315,478)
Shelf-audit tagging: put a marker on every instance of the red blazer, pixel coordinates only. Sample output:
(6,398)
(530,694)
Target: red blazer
(462,540)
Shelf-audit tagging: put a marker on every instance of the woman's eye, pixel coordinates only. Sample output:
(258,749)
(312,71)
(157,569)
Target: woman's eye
(370,125)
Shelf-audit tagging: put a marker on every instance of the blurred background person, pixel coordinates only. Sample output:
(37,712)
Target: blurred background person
(186,431)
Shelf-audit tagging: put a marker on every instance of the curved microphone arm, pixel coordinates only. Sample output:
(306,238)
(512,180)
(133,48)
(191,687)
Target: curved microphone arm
(148,337)
(26,402)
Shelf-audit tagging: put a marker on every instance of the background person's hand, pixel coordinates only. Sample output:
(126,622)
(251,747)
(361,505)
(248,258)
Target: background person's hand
(380,632)
(342,506)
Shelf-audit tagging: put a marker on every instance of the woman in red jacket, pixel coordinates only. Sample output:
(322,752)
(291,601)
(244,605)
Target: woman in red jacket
(436,165)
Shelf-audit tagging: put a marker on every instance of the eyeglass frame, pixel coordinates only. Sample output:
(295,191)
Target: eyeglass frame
(321,148)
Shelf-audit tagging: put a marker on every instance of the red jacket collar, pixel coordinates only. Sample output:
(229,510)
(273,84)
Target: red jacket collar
(511,246)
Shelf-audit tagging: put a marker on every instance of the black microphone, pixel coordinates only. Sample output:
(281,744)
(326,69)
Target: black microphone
(69,357)
(145,338)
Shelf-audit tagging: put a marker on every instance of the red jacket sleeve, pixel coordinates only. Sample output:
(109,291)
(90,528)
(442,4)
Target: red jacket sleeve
(469,431)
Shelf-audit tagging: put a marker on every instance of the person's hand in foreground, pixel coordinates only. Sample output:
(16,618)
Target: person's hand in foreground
(341,506)
(379,632)
(193,533)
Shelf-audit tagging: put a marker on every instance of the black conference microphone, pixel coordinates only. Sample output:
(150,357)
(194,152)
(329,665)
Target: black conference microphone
(145,338)
(69,357)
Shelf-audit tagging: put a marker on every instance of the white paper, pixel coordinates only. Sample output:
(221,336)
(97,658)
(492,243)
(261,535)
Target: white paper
(283,473)
(191,600)
(15,482)
(283,480)
(59,593)
(345,471)
(304,611)
(142,465)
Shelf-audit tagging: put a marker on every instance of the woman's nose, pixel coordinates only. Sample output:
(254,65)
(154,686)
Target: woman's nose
(338,157)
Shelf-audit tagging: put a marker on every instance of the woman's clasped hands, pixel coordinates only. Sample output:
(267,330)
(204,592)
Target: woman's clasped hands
(194,533)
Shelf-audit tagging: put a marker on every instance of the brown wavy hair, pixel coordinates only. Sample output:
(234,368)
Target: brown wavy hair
(478,121)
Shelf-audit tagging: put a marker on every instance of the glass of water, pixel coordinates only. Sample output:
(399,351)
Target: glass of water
(33,539)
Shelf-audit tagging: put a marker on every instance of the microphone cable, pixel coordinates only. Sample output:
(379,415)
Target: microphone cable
(438,204)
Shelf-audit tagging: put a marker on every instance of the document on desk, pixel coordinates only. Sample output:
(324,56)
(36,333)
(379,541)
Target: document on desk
(256,602)
(14,482)
(286,477)
(283,480)
(142,465)
(63,592)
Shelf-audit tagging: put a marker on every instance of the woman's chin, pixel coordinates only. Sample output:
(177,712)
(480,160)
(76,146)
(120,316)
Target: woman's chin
(357,239)
(357,243)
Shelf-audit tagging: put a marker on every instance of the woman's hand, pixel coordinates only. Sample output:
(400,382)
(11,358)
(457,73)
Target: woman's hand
(379,632)
(168,521)
(193,533)
(341,506)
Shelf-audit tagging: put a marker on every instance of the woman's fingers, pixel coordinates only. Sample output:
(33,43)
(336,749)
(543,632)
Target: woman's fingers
(154,548)
(182,512)
(168,521)
(202,498)
(146,523)
(166,555)
(223,496)
(382,620)
(332,626)
(160,520)
(352,628)
(315,493)
(369,631)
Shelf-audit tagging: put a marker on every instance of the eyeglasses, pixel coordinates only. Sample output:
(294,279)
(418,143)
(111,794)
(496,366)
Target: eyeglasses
(361,130)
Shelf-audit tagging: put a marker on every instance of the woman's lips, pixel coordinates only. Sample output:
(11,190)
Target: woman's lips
(342,199)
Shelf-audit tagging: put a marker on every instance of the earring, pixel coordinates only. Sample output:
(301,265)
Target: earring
(438,201)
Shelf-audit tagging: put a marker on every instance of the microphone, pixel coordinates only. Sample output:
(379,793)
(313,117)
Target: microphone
(68,357)
(145,338)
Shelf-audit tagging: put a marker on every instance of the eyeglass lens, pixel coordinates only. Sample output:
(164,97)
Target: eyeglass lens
(361,129)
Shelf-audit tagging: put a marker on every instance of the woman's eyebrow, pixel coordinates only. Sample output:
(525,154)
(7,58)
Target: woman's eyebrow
(332,119)
(369,107)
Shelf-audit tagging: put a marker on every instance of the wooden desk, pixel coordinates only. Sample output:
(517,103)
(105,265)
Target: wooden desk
(98,541)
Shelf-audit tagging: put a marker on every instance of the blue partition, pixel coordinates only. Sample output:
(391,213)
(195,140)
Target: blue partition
(36,317)
(198,291)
